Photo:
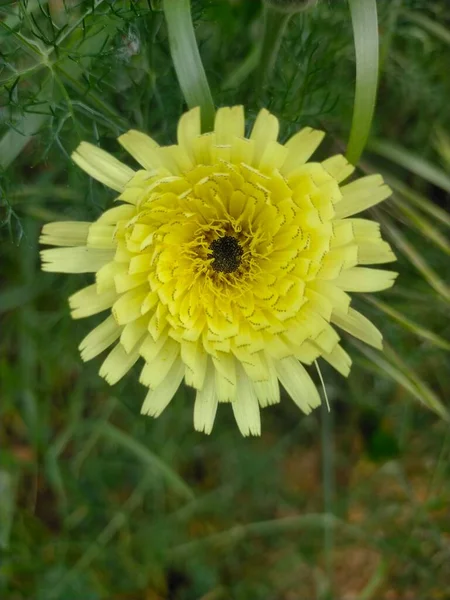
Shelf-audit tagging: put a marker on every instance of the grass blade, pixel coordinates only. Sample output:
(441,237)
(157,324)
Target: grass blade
(392,366)
(418,200)
(418,330)
(365,33)
(414,256)
(186,59)
(147,457)
(413,163)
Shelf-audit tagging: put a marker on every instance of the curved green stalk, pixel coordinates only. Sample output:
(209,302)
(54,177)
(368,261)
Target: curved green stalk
(187,61)
(365,33)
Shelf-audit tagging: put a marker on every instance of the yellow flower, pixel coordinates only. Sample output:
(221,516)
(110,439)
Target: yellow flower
(226,263)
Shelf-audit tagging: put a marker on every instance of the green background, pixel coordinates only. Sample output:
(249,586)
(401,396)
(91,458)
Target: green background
(97,501)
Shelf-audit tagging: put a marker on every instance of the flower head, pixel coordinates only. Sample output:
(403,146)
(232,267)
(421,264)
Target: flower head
(226,263)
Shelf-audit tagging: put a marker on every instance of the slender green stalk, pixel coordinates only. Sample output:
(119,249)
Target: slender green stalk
(365,33)
(328,488)
(274,26)
(187,61)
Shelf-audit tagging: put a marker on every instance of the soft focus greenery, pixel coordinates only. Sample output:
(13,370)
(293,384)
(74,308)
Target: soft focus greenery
(97,502)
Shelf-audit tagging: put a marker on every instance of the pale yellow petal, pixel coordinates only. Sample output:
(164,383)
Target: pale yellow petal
(128,307)
(229,123)
(202,148)
(357,325)
(243,151)
(153,374)
(206,401)
(123,212)
(300,148)
(79,259)
(102,166)
(361,279)
(339,360)
(335,295)
(188,129)
(327,339)
(268,391)
(307,352)
(133,333)
(225,376)
(246,406)
(143,149)
(338,167)
(272,157)
(375,253)
(195,359)
(298,384)
(364,229)
(361,195)
(65,233)
(101,235)
(158,399)
(89,301)
(265,130)
(104,277)
(126,281)
(117,364)
(151,348)
(99,338)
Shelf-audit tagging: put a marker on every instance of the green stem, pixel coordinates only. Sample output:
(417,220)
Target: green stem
(274,26)
(187,61)
(365,34)
(328,489)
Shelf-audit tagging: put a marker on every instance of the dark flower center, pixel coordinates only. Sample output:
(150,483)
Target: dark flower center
(226,253)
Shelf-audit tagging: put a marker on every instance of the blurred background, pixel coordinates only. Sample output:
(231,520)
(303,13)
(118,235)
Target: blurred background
(98,502)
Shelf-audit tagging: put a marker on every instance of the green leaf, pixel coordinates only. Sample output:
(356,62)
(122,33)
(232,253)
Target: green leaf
(365,33)
(438,30)
(413,163)
(418,199)
(186,59)
(414,256)
(393,367)
(416,329)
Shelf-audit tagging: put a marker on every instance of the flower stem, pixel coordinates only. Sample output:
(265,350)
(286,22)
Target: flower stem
(365,34)
(186,59)
(274,26)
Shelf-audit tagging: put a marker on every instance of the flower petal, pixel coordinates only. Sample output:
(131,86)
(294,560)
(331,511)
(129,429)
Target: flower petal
(99,338)
(246,406)
(65,233)
(338,167)
(158,399)
(361,195)
(265,130)
(339,360)
(117,364)
(153,374)
(189,128)
(133,333)
(298,384)
(229,123)
(268,392)
(361,279)
(143,149)
(206,401)
(79,259)
(300,148)
(357,325)
(102,166)
(89,301)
